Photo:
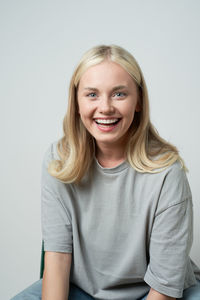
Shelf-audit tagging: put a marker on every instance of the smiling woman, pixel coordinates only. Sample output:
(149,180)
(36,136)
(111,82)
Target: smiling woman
(104,107)
(115,196)
(103,72)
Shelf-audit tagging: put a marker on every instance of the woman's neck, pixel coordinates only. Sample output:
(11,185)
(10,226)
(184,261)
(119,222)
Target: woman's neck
(109,158)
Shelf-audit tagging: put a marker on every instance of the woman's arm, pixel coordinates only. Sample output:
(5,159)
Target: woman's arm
(154,295)
(171,236)
(56,276)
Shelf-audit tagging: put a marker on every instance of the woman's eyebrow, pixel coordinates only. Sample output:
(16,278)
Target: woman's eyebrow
(118,87)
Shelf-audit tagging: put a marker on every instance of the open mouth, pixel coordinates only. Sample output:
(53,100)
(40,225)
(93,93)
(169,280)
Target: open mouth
(109,124)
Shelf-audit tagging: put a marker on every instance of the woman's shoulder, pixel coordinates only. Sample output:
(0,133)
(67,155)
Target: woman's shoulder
(170,185)
(174,171)
(175,187)
(54,149)
(175,175)
(51,151)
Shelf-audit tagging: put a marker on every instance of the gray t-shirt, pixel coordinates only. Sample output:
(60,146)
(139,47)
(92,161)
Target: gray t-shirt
(127,231)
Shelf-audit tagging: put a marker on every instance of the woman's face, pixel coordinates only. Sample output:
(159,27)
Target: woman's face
(108,94)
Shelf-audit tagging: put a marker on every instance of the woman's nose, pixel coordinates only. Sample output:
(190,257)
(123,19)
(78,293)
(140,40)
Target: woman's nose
(106,105)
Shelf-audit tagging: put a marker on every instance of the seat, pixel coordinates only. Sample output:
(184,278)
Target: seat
(42,260)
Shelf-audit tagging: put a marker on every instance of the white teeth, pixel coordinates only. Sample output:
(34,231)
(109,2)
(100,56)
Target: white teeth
(106,121)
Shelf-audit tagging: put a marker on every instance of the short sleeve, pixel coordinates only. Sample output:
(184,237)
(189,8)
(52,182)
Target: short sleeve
(171,236)
(55,216)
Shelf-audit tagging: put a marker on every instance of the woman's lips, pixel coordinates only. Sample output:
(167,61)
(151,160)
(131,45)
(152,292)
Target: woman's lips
(108,127)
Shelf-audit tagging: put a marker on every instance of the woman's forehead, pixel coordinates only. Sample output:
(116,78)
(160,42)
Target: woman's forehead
(105,73)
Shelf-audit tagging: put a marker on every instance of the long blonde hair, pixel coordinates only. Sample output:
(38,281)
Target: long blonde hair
(146,151)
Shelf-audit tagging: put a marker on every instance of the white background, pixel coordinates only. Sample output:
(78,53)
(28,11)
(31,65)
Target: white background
(41,43)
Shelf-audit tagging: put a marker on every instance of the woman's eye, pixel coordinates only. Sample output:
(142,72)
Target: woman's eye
(91,95)
(122,94)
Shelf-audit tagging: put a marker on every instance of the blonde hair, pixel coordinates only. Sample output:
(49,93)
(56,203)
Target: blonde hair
(146,151)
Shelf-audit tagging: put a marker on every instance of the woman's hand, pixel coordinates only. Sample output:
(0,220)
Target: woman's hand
(154,295)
